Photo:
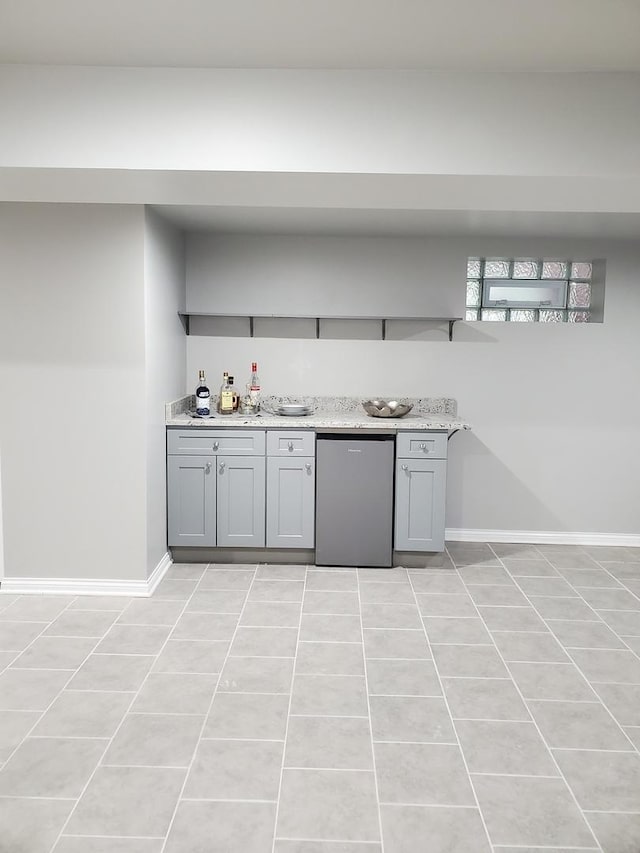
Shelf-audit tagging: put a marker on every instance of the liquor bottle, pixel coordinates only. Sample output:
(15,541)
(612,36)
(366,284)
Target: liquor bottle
(203,397)
(225,401)
(236,396)
(254,388)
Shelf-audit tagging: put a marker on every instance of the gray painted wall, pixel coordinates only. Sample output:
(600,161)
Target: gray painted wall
(320,121)
(164,289)
(554,411)
(71,365)
(303,274)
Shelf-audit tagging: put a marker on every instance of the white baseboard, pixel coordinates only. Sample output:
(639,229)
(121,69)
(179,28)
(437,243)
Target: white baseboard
(158,573)
(87,586)
(542,537)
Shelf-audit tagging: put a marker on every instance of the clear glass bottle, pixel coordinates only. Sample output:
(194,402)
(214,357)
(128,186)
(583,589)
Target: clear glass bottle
(246,403)
(254,386)
(225,401)
(203,397)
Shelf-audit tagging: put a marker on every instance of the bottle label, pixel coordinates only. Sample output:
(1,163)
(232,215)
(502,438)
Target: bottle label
(226,401)
(203,404)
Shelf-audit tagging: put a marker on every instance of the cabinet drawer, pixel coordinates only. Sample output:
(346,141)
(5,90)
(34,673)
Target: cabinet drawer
(291,442)
(210,442)
(421,445)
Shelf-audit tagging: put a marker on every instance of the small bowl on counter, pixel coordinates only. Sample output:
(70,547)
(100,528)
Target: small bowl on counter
(386,408)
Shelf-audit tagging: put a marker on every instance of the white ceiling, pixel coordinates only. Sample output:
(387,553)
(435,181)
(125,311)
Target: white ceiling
(537,35)
(282,220)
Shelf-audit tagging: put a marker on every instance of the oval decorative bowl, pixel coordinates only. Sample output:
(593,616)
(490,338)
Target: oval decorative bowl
(386,408)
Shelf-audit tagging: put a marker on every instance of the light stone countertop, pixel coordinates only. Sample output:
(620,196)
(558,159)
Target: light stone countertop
(324,421)
(330,414)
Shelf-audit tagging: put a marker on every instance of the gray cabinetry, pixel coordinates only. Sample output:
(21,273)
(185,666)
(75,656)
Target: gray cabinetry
(213,442)
(241,496)
(290,442)
(420,492)
(216,487)
(291,488)
(191,494)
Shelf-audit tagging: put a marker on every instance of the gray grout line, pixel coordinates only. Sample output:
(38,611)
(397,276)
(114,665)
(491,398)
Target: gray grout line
(529,849)
(248,739)
(147,766)
(373,751)
(252,693)
(610,811)
(334,716)
(324,840)
(328,767)
(21,797)
(455,731)
(518,775)
(219,800)
(591,749)
(118,837)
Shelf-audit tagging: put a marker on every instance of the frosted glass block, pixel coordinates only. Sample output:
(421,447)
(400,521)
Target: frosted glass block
(473,268)
(496,268)
(524,293)
(579,316)
(525,269)
(471,314)
(547,316)
(494,314)
(555,269)
(579,294)
(522,315)
(473,294)
(580,269)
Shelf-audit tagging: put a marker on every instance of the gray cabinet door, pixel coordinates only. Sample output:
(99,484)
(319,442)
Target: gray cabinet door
(241,501)
(291,492)
(420,504)
(191,500)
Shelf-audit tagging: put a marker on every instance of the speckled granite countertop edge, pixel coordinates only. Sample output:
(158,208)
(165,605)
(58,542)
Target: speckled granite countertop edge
(339,413)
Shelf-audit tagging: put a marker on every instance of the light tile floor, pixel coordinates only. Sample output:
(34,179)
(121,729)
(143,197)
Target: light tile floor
(488,703)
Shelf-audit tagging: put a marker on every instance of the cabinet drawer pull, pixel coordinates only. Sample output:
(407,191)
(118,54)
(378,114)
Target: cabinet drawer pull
(222,464)
(424,448)
(207,468)
(216,445)
(290,446)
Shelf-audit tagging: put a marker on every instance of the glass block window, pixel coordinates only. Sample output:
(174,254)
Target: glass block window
(528,290)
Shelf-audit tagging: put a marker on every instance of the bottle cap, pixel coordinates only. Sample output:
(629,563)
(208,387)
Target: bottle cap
(254,366)
(230,380)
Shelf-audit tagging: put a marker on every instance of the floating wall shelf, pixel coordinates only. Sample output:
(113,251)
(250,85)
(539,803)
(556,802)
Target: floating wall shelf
(450,321)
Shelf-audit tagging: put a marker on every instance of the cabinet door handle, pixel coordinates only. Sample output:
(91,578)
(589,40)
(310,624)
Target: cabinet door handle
(308,467)
(207,468)
(290,447)
(222,466)
(405,467)
(216,445)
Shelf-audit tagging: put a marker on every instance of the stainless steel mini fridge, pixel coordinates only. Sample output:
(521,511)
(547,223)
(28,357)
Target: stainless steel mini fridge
(354,500)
